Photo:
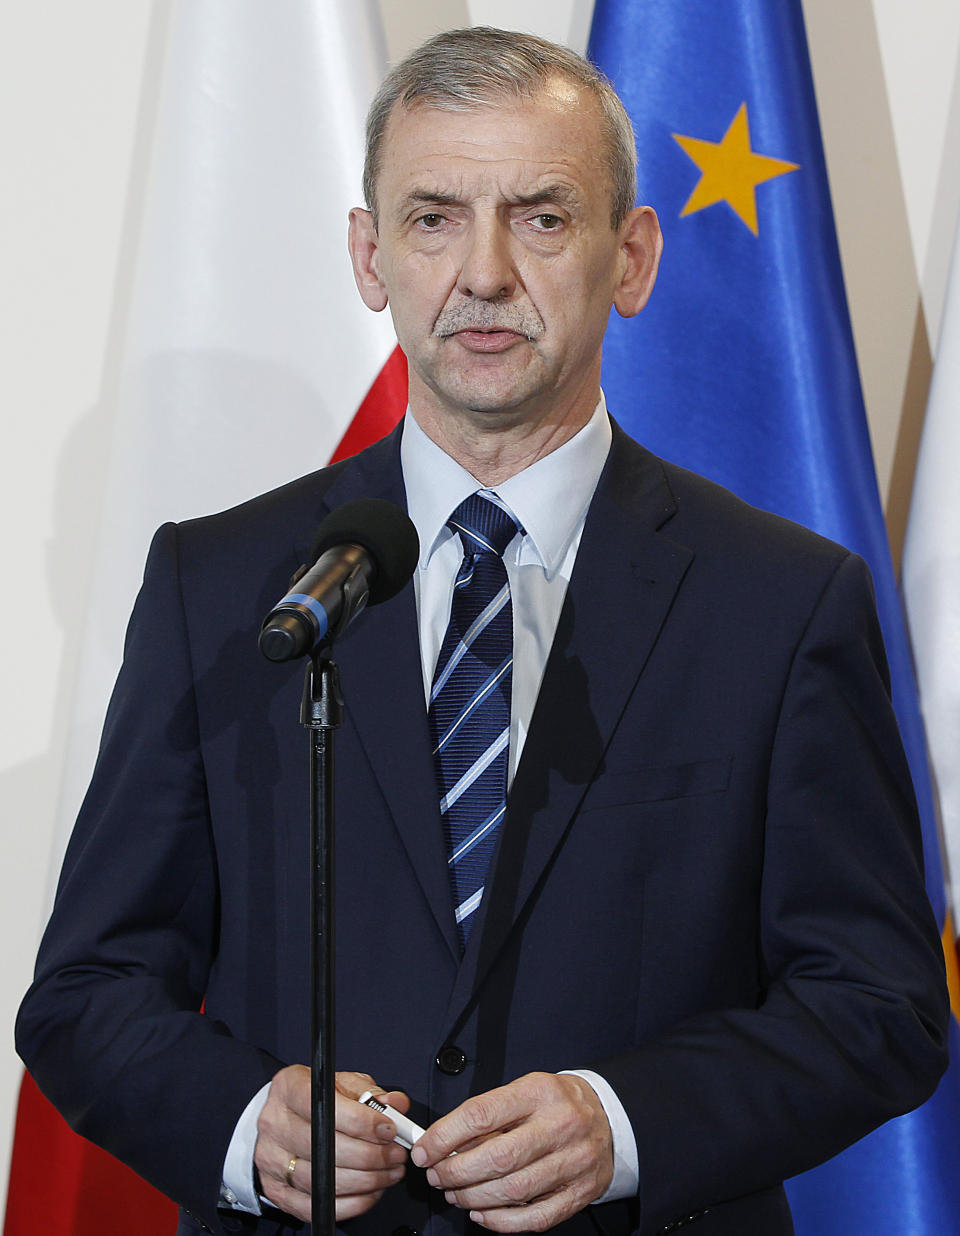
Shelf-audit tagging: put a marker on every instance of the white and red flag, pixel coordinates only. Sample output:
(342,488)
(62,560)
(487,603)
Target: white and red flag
(249,359)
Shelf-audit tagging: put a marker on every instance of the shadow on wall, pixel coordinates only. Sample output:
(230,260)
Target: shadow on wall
(190,441)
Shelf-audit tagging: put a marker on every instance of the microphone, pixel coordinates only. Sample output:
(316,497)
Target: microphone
(364,553)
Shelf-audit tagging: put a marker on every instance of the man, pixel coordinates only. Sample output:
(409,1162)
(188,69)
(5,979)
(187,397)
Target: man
(705,894)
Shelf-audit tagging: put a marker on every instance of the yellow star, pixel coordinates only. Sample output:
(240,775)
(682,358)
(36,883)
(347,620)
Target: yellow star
(730,171)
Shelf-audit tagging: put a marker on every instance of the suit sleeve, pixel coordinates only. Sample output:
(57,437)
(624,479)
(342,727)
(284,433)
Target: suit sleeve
(112,1028)
(850,1024)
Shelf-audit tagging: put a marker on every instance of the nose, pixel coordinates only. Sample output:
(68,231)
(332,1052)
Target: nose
(487,271)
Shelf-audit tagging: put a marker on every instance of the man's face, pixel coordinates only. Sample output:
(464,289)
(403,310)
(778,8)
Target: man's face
(496,253)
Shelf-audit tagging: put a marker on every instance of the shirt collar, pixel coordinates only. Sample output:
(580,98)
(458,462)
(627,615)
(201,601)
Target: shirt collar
(549,498)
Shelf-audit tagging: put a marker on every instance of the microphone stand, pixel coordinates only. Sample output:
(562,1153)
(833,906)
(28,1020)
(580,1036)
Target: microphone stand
(365,552)
(321,712)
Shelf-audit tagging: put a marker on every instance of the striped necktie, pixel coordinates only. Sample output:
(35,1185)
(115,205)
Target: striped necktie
(470,701)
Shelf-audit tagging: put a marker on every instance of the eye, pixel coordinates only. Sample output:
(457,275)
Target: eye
(547,222)
(431,220)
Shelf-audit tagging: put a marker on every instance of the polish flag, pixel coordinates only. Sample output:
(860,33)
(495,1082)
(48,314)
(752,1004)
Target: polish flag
(249,359)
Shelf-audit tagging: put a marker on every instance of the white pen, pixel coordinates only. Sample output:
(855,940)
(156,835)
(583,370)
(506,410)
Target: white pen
(407,1131)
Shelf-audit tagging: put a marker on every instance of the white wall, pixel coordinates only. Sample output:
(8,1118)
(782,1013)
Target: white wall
(72,77)
(78,86)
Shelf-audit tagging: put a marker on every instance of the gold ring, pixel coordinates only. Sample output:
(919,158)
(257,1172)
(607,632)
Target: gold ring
(291,1168)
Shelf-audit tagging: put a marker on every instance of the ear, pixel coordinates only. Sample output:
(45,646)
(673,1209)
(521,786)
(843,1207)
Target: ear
(641,244)
(365,255)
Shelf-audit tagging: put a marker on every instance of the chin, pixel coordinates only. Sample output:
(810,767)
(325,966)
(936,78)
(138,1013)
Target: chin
(495,387)
(488,398)
(492,412)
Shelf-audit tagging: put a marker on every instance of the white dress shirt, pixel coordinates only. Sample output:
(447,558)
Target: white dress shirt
(549,500)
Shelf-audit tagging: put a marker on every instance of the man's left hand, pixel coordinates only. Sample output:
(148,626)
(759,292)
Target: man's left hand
(528,1155)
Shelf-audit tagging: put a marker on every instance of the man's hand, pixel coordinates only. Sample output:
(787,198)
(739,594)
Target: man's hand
(366,1156)
(529,1154)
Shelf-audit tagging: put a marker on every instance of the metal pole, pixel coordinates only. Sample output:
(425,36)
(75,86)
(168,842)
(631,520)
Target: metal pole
(322,712)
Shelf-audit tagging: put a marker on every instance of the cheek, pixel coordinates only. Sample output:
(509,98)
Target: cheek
(569,307)
(588,303)
(421,284)
(570,283)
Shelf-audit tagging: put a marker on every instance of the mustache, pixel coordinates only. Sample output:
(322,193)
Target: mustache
(485,315)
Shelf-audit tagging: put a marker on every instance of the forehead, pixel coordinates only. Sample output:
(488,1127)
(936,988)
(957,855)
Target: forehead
(554,136)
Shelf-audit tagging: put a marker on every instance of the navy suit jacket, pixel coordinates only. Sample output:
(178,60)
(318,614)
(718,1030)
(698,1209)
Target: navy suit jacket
(709,884)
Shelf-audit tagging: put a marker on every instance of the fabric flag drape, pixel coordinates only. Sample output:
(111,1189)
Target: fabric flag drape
(248,359)
(742,367)
(931,574)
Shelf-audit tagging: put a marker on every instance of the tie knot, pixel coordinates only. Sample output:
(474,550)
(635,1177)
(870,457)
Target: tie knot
(484,527)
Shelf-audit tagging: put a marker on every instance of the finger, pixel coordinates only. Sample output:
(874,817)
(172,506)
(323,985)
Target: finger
(497,1156)
(298,1175)
(396,1099)
(277,1145)
(350,1183)
(291,1192)
(292,1202)
(541,1215)
(357,1120)
(367,1156)
(475,1119)
(529,1205)
(350,1205)
(352,1085)
(530,1181)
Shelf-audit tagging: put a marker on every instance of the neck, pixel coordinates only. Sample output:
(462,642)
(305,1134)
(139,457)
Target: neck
(492,447)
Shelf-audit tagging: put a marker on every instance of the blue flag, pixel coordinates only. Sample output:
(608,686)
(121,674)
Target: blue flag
(742,367)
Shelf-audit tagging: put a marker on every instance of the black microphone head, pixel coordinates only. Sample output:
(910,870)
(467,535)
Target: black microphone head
(385,531)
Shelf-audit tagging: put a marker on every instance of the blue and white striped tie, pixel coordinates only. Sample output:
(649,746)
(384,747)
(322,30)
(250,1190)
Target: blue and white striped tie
(470,701)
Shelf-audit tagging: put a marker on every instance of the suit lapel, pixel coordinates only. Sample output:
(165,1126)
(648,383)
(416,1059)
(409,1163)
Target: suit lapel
(624,582)
(382,679)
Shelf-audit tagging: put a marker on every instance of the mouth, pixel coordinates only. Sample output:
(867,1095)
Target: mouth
(487,338)
(481,326)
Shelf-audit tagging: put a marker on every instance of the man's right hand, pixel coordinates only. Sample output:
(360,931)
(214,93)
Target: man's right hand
(367,1159)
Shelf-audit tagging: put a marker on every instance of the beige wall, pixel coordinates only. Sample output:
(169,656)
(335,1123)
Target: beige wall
(78,83)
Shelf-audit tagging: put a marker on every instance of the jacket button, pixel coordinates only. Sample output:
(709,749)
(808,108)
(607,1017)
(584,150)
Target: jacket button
(405,1231)
(451,1060)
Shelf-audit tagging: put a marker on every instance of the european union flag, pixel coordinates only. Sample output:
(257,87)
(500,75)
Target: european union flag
(742,367)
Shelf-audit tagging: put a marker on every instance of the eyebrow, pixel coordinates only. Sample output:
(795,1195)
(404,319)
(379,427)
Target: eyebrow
(562,194)
(433,197)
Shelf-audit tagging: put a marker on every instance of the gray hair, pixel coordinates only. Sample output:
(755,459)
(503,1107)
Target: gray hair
(479,66)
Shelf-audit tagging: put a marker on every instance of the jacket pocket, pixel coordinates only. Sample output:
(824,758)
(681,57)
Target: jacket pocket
(658,783)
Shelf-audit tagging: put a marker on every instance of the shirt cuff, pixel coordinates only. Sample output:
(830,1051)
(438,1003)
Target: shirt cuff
(626,1163)
(238,1191)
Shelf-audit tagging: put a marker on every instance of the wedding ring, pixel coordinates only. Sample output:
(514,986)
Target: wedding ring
(291,1168)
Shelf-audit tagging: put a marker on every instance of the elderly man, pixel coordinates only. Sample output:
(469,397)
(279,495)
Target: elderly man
(619,791)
